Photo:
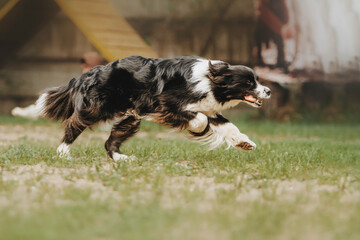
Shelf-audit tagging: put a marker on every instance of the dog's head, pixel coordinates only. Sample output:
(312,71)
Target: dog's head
(237,83)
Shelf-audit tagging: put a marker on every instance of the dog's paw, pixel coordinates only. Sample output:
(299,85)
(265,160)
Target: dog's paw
(248,145)
(64,156)
(241,141)
(63,151)
(122,157)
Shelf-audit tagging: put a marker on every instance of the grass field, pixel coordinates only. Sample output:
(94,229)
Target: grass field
(302,182)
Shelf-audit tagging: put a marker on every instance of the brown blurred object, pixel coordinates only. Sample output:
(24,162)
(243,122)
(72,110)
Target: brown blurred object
(90,60)
(288,32)
(272,16)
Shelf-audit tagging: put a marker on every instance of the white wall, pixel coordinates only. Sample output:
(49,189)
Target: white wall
(327,34)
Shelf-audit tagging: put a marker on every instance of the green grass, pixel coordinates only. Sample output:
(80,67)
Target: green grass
(302,182)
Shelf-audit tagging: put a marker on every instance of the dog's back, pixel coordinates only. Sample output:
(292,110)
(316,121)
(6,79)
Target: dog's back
(136,83)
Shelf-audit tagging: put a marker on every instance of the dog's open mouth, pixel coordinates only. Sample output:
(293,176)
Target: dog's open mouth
(253,100)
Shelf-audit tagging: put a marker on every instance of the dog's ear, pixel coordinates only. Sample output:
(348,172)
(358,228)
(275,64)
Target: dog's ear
(218,72)
(218,69)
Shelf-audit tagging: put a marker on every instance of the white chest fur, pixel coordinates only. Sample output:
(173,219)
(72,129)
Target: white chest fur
(209,106)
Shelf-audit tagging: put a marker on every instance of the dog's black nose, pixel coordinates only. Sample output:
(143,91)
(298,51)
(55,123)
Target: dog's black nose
(268,91)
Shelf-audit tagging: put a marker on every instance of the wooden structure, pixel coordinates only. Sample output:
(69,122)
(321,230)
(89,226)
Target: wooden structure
(42,41)
(105,28)
(111,35)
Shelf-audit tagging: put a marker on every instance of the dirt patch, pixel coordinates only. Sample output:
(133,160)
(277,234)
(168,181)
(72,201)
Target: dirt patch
(31,180)
(12,134)
(247,190)
(39,184)
(15,133)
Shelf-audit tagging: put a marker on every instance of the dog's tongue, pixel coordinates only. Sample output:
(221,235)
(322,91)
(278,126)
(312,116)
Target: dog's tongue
(250,98)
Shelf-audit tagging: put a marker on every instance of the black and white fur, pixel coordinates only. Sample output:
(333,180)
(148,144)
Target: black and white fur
(183,93)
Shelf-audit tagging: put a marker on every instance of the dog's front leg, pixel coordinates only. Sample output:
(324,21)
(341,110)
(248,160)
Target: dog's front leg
(220,130)
(193,121)
(233,136)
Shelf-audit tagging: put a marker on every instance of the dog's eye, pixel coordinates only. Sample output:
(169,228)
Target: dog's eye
(248,82)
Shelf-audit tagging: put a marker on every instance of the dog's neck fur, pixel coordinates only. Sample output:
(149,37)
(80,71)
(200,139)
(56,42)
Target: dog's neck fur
(210,106)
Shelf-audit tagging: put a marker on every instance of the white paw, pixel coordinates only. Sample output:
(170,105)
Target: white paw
(239,140)
(246,145)
(199,123)
(122,157)
(63,151)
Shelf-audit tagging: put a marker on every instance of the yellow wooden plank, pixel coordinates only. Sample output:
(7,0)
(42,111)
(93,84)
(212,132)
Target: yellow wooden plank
(7,7)
(91,24)
(86,1)
(99,23)
(83,27)
(106,36)
(91,1)
(126,46)
(92,8)
(114,43)
(103,1)
(126,53)
(114,29)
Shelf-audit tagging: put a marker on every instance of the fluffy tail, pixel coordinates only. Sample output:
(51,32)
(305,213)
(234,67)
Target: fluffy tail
(56,103)
(30,111)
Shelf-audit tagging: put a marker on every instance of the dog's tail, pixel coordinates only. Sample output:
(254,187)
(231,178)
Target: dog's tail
(57,103)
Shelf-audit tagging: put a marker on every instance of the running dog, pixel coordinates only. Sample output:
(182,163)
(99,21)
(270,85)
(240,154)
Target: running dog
(182,93)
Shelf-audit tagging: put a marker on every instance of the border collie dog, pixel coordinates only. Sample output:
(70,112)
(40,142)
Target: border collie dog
(182,93)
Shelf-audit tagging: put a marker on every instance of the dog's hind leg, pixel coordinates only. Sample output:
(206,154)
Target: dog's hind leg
(120,132)
(72,130)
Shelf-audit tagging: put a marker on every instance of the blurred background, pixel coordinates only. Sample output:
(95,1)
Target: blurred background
(307,52)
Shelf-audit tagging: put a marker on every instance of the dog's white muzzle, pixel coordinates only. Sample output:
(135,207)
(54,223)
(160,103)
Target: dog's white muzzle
(262,91)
